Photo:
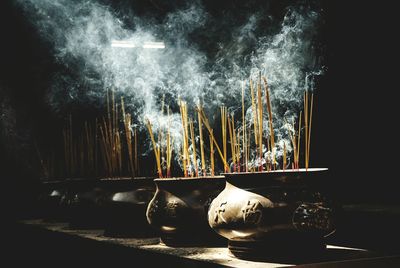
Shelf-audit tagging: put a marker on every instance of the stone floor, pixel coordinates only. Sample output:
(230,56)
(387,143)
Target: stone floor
(44,243)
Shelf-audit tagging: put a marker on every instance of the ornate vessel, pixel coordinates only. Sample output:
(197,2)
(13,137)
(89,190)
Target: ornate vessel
(178,210)
(267,214)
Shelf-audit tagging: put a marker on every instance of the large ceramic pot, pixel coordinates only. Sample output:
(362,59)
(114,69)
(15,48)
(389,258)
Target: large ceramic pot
(178,210)
(279,213)
(126,206)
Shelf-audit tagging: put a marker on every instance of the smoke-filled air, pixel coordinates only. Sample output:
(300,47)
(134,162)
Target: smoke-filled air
(200,66)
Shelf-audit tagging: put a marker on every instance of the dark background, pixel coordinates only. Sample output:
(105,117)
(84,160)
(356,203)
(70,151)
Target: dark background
(356,124)
(356,139)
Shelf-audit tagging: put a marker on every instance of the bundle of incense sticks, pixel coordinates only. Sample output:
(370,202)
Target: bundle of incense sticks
(83,145)
(244,134)
(224,114)
(295,139)
(203,160)
(111,146)
(307,125)
(169,143)
(255,116)
(235,145)
(212,168)
(206,123)
(185,136)
(260,123)
(128,137)
(193,148)
(271,128)
(111,143)
(155,148)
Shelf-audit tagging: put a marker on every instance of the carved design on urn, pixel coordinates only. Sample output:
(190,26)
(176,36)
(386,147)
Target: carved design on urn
(252,212)
(313,216)
(171,207)
(218,213)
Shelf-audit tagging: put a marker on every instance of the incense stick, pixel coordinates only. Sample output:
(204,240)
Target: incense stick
(254,109)
(203,161)
(306,128)
(260,124)
(232,142)
(156,150)
(212,152)
(244,131)
(223,129)
(271,128)
(184,118)
(207,125)
(194,148)
(298,143)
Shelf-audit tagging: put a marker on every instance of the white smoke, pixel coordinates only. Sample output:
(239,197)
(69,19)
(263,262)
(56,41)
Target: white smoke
(81,33)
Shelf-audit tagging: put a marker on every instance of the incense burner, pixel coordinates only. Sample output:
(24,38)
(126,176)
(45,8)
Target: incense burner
(178,210)
(125,214)
(268,214)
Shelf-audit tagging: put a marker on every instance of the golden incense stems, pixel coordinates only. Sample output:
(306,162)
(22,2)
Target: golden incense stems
(254,109)
(136,151)
(269,108)
(249,145)
(223,129)
(244,131)
(184,162)
(232,142)
(212,152)
(104,147)
(237,150)
(306,128)
(203,161)
(308,125)
(207,125)
(309,129)
(184,118)
(292,139)
(194,148)
(169,145)
(298,142)
(156,150)
(128,136)
(294,143)
(160,130)
(260,123)
(119,150)
(168,155)
(236,145)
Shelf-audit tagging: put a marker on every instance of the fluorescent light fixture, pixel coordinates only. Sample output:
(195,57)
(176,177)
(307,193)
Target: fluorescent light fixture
(131,44)
(156,45)
(117,43)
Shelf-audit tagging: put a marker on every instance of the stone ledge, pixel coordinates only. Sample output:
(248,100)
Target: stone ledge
(213,255)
